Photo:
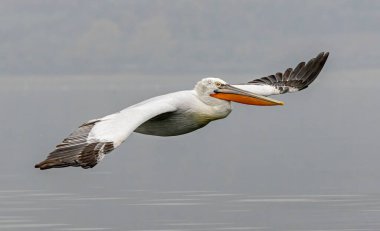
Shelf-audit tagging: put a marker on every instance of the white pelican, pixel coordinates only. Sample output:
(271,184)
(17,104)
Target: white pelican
(176,113)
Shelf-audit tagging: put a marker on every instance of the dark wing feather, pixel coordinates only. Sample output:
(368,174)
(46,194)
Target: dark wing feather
(76,151)
(297,79)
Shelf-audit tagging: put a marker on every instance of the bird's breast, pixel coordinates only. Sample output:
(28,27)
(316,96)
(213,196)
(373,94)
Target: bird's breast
(180,122)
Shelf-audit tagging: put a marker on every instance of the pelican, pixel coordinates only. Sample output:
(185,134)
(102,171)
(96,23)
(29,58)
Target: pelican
(176,113)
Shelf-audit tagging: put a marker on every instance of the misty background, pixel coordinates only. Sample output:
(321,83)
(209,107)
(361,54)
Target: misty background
(202,37)
(312,164)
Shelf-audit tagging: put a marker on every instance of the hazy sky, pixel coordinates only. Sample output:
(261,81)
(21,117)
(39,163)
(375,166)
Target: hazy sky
(206,37)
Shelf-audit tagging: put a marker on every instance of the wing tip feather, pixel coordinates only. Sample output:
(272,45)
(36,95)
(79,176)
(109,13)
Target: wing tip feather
(89,156)
(52,163)
(298,78)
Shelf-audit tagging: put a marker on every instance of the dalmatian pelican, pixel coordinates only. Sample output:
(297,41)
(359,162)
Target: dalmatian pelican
(176,113)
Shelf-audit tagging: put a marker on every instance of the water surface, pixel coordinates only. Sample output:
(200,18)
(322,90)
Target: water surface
(310,165)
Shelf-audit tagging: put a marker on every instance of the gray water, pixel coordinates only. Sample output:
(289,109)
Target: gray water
(310,165)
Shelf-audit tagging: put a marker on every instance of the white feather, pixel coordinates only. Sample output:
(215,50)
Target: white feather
(117,127)
(264,90)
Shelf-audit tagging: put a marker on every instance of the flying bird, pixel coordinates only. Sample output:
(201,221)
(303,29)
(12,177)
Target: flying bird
(176,113)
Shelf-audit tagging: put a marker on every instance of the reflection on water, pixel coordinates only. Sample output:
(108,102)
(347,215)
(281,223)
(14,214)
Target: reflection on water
(184,210)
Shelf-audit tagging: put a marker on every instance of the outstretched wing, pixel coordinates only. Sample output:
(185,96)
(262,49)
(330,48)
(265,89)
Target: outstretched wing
(289,81)
(87,145)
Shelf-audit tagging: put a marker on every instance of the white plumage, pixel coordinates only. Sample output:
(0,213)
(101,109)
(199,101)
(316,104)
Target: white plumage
(176,113)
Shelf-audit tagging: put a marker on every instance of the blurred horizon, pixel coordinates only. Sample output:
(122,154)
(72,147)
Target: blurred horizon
(198,37)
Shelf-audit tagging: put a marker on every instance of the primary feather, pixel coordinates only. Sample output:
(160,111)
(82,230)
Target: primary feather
(288,81)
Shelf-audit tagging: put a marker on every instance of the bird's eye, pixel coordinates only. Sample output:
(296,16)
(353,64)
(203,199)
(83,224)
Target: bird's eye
(218,84)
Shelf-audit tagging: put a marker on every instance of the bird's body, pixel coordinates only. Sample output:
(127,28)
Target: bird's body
(190,112)
(175,114)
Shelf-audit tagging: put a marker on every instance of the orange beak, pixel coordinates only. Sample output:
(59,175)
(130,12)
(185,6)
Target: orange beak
(230,93)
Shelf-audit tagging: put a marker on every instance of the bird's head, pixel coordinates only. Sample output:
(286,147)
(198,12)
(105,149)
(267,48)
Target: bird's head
(213,90)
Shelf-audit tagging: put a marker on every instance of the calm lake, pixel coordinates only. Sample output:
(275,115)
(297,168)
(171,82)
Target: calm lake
(310,165)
